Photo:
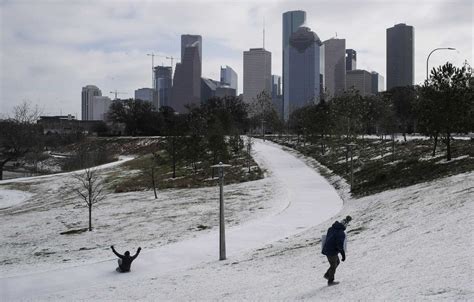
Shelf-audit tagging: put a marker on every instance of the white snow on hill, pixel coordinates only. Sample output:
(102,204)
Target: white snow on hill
(412,243)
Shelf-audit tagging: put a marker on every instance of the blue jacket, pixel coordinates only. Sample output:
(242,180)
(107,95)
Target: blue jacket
(335,240)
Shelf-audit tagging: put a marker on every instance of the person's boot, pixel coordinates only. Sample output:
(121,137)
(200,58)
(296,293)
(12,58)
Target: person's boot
(332,282)
(326,276)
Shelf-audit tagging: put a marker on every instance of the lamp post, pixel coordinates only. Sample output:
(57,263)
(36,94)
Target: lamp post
(428,58)
(220,168)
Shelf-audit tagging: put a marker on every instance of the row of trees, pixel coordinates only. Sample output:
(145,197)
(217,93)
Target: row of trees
(442,106)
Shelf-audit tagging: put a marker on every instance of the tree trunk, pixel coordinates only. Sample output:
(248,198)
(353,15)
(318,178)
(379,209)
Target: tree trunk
(90,217)
(448,146)
(153,181)
(435,143)
(393,147)
(2,164)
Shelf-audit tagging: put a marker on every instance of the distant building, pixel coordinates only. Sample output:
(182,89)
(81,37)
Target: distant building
(377,82)
(276,85)
(335,66)
(360,80)
(68,124)
(88,92)
(351,59)
(187,77)
(229,77)
(149,95)
(208,88)
(292,20)
(400,56)
(224,91)
(191,40)
(100,108)
(306,69)
(257,73)
(163,85)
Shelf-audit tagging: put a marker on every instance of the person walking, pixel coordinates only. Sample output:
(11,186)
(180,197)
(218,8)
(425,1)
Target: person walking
(333,246)
(125,261)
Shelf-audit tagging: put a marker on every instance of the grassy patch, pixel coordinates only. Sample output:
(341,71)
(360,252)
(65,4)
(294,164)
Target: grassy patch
(136,174)
(380,165)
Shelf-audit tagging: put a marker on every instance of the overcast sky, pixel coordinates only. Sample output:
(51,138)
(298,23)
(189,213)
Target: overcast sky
(50,49)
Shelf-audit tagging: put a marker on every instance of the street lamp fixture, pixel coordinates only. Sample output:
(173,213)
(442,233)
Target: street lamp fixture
(428,58)
(220,167)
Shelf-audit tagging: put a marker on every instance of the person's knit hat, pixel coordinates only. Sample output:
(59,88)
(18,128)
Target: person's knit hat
(346,220)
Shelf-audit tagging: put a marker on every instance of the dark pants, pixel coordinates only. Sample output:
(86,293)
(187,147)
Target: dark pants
(119,268)
(333,263)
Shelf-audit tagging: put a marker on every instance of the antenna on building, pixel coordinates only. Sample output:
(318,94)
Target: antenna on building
(263,32)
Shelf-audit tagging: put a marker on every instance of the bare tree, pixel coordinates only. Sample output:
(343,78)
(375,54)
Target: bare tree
(156,161)
(20,134)
(90,189)
(25,113)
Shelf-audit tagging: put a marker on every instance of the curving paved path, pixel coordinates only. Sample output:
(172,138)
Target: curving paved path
(302,199)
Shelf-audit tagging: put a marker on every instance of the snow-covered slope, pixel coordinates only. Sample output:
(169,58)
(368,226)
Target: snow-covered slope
(413,243)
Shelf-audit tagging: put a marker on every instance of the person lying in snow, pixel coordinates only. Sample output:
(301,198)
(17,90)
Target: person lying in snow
(334,245)
(125,261)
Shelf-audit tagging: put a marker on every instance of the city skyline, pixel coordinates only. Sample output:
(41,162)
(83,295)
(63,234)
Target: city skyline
(109,51)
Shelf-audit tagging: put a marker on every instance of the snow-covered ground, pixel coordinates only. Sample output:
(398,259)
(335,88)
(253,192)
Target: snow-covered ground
(10,198)
(413,243)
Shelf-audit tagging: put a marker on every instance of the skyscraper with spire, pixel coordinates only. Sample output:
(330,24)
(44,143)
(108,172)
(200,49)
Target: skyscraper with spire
(292,20)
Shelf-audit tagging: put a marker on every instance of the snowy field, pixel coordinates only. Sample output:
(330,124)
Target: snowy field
(413,243)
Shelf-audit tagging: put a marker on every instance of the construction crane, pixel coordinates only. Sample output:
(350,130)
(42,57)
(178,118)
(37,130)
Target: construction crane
(115,92)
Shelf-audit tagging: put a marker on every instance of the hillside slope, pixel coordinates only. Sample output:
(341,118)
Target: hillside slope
(413,243)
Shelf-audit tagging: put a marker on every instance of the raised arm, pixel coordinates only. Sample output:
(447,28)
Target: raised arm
(115,252)
(136,254)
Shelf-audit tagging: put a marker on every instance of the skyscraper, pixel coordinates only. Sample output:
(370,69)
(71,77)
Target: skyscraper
(257,73)
(190,40)
(351,59)
(377,82)
(87,109)
(147,94)
(292,20)
(100,108)
(360,80)
(229,77)
(187,79)
(400,56)
(306,69)
(335,66)
(163,84)
(276,86)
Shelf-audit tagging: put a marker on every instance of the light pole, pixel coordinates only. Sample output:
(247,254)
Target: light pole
(220,168)
(428,58)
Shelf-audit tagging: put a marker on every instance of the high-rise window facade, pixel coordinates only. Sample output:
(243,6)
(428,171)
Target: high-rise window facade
(400,56)
(229,77)
(351,59)
(306,63)
(335,66)
(257,73)
(87,108)
(163,84)
(292,20)
(187,77)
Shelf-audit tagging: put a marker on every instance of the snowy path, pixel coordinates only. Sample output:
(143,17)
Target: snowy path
(305,199)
